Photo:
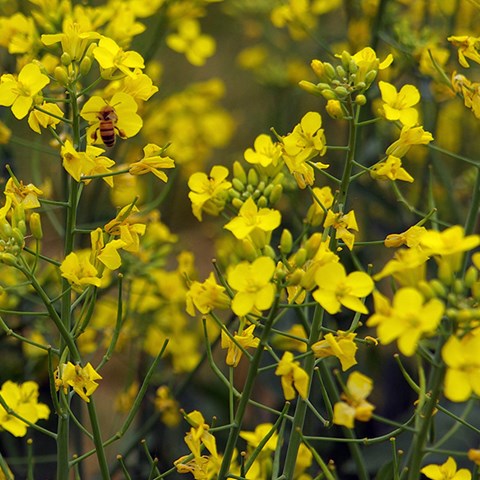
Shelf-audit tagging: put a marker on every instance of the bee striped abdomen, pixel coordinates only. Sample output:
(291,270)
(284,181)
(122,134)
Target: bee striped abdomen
(107,124)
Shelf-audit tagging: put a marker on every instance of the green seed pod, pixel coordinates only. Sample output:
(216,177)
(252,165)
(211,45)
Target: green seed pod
(85,65)
(252,178)
(239,172)
(36,226)
(238,185)
(276,194)
(286,242)
(66,59)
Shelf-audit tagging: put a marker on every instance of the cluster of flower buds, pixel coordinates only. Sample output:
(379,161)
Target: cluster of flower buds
(263,189)
(350,79)
(12,236)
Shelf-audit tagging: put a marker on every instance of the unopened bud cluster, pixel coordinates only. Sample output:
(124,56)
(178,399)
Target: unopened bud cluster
(264,190)
(12,237)
(338,83)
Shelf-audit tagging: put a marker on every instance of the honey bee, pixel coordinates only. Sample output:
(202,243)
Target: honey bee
(107,126)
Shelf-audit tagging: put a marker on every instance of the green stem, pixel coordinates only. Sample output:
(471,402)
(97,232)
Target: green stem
(301,408)
(97,440)
(246,394)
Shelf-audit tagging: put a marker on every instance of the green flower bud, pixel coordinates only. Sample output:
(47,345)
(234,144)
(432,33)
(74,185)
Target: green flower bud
(249,251)
(439,288)
(360,99)
(239,172)
(5,230)
(360,86)
(18,237)
(346,59)
(323,86)
(329,95)
(269,252)
(313,244)
(286,242)
(237,203)
(238,185)
(458,286)
(334,109)
(261,186)
(309,87)
(426,289)
(329,71)
(252,178)
(352,66)
(8,259)
(465,315)
(85,65)
(61,75)
(370,77)
(234,194)
(278,178)
(262,202)
(341,72)
(66,59)
(276,194)
(22,227)
(341,91)
(36,226)
(471,276)
(300,257)
(268,190)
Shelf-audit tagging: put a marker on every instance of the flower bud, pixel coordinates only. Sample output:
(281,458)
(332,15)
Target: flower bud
(252,178)
(309,87)
(300,257)
(237,203)
(471,276)
(276,194)
(334,109)
(346,59)
(286,242)
(458,286)
(269,252)
(313,244)
(262,202)
(249,250)
(61,75)
(439,288)
(341,91)
(370,77)
(85,65)
(239,172)
(66,59)
(329,95)
(426,289)
(341,72)
(238,185)
(8,259)
(36,226)
(329,71)
(360,99)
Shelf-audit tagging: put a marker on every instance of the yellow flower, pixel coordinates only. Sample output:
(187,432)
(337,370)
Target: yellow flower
(122,227)
(463,367)
(264,151)
(206,296)
(42,118)
(342,346)
(168,407)
(127,124)
(256,437)
(399,105)
(23,400)
(367,61)
(409,136)
(83,380)
(19,93)
(252,281)
(294,378)
(189,41)
(447,471)
(355,405)
(245,339)
(408,320)
(107,254)
(209,192)
(390,169)
(467,48)
(254,222)
(342,223)
(152,161)
(410,238)
(335,288)
(90,162)
(112,58)
(79,271)
(24,195)
(322,201)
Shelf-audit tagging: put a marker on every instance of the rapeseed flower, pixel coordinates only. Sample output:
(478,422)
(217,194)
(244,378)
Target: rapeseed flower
(446,471)
(467,48)
(209,192)
(293,377)
(152,162)
(409,136)
(79,271)
(354,405)
(50,115)
(206,296)
(106,253)
(245,339)
(254,438)
(24,195)
(463,367)
(83,380)
(189,40)
(336,288)
(400,105)
(19,93)
(408,320)
(264,152)
(23,400)
(342,345)
(342,223)
(367,61)
(122,227)
(410,237)
(252,282)
(111,58)
(390,169)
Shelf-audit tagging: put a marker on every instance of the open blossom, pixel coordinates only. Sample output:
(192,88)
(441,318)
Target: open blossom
(23,400)
(390,169)
(45,115)
(123,227)
(206,296)
(252,282)
(245,339)
(467,48)
(409,136)
(343,223)
(264,151)
(19,93)
(209,192)
(24,195)
(79,271)
(83,380)
(354,405)
(400,105)
(152,162)
(446,471)
(342,346)
(293,377)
